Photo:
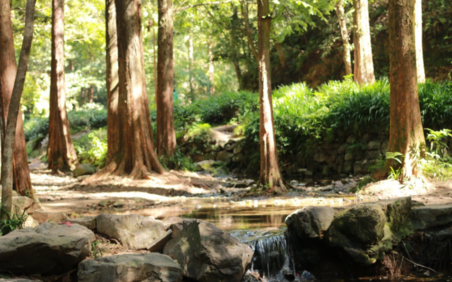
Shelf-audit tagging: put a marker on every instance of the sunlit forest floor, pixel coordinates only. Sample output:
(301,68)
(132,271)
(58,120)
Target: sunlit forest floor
(191,195)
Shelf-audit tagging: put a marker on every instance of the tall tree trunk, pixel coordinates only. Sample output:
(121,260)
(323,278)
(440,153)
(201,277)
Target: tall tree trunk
(406,125)
(364,66)
(22,181)
(244,9)
(60,151)
(234,44)
(134,155)
(155,64)
(211,69)
(112,80)
(281,54)
(270,175)
(418,39)
(13,113)
(166,136)
(91,93)
(190,66)
(345,40)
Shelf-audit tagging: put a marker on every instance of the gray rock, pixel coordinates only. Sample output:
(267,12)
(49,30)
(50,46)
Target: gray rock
(373,155)
(310,222)
(350,139)
(205,253)
(21,204)
(425,217)
(41,216)
(349,157)
(152,267)
(158,245)
(133,231)
(205,165)
(89,222)
(224,156)
(84,169)
(348,167)
(49,248)
(374,145)
(18,280)
(358,228)
(341,149)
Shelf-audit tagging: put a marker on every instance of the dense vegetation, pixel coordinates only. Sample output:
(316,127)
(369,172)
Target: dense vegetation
(303,116)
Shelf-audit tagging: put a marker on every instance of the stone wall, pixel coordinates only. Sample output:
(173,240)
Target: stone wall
(350,155)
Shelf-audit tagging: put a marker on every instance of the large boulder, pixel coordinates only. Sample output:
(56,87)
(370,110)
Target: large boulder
(425,217)
(152,267)
(205,253)
(84,169)
(21,204)
(49,248)
(42,216)
(133,231)
(88,221)
(357,230)
(310,222)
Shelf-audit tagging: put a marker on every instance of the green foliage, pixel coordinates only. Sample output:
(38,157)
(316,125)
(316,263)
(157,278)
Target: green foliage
(438,147)
(362,183)
(96,252)
(90,116)
(14,221)
(438,163)
(92,147)
(177,161)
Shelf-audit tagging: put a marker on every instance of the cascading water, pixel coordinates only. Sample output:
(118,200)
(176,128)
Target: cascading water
(270,253)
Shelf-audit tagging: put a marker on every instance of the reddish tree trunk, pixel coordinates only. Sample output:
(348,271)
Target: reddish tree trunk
(22,181)
(281,54)
(14,107)
(112,80)
(166,135)
(270,175)
(60,151)
(406,125)
(134,154)
(211,69)
(91,93)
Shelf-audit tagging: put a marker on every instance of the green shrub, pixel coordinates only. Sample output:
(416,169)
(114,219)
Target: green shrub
(177,161)
(15,221)
(90,116)
(92,147)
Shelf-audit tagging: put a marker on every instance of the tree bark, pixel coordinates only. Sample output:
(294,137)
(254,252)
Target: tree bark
(270,176)
(418,39)
(364,66)
(91,93)
(211,69)
(13,113)
(22,181)
(134,153)
(190,66)
(244,9)
(406,125)
(166,136)
(155,65)
(345,40)
(234,44)
(60,151)
(112,80)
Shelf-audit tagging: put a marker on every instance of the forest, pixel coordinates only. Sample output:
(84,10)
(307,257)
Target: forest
(281,103)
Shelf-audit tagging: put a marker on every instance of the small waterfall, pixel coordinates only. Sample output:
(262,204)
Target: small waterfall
(270,255)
